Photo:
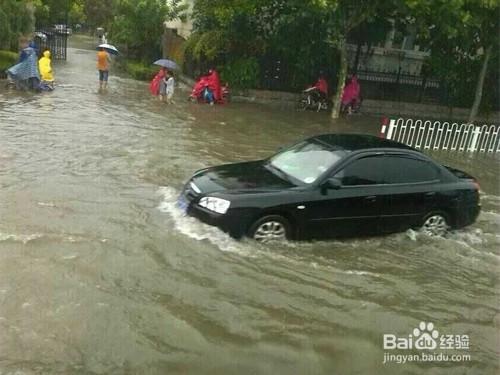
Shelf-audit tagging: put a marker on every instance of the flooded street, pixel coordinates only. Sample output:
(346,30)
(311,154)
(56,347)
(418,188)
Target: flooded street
(101,274)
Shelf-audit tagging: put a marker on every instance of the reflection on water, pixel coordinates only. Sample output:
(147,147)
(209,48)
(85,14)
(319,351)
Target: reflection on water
(99,272)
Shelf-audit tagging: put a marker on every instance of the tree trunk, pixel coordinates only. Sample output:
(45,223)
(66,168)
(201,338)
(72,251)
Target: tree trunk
(342,74)
(479,87)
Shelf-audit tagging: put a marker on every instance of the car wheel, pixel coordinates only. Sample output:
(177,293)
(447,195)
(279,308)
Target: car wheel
(270,228)
(435,224)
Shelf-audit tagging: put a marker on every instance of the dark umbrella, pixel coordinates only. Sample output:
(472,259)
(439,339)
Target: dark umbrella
(169,64)
(109,48)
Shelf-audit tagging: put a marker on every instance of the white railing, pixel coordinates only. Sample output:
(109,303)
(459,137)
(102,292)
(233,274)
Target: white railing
(437,135)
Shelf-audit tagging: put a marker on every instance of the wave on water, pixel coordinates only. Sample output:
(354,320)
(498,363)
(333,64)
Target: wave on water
(65,238)
(478,240)
(24,238)
(197,230)
(296,253)
(490,197)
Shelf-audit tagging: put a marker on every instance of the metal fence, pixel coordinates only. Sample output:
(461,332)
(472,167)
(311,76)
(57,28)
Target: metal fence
(401,87)
(53,40)
(276,74)
(437,135)
(405,79)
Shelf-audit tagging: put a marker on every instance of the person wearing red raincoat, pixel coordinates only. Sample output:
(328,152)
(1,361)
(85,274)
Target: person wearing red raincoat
(208,88)
(214,85)
(198,87)
(154,86)
(319,91)
(322,86)
(351,95)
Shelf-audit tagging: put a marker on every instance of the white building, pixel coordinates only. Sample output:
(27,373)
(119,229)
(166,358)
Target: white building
(183,27)
(397,53)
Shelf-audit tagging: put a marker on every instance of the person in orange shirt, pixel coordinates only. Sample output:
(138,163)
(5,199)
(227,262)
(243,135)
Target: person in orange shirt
(103,67)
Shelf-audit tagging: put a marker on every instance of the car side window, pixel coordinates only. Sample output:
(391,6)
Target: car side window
(365,171)
(405,170)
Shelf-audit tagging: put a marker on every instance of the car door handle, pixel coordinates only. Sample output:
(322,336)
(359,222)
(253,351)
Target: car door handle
(430,194)
(371,198)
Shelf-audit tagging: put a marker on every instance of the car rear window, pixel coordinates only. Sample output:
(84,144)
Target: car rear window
(401,170)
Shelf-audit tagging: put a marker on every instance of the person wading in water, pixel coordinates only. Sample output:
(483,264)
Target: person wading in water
(103,68)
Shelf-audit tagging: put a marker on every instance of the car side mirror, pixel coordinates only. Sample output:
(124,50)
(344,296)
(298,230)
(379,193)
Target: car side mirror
(332,183)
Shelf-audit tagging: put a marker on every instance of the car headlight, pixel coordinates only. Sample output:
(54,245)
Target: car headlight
(218,205)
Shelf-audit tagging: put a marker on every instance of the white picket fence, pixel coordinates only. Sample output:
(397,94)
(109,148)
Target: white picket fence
(437,135)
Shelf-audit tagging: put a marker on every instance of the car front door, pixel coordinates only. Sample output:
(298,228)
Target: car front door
(353,208)
(412,191)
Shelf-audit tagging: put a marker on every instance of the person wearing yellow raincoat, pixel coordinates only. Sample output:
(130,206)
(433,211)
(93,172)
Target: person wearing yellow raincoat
(45,67)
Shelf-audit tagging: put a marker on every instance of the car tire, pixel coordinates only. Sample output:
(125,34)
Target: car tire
(435,224)
(270,228)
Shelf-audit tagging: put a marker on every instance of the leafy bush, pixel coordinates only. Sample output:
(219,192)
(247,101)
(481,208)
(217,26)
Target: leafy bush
(7,59)
(141,71)
(241,73)
(15,20)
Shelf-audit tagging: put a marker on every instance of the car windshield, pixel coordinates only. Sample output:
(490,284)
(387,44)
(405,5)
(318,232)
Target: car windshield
(306,161)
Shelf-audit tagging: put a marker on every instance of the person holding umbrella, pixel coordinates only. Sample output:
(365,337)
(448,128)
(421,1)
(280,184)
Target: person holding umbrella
(163,84)
(103,61)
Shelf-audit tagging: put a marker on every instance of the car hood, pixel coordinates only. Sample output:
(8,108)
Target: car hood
(249,176)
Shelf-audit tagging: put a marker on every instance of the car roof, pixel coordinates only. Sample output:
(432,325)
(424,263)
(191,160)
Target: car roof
(356,142)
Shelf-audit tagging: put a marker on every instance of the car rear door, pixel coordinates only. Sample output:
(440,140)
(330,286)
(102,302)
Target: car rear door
(354,208)
(413,191)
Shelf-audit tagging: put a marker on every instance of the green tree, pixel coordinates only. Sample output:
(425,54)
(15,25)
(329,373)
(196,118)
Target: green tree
(139,25)
(16,19)
(231,31)
(50,12)
(100,13)
(344,17)
(42,13)
(462,36)
(309,35)
(77,13)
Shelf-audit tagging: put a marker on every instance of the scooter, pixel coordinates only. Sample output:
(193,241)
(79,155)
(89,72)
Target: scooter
(313,100)
(205,97)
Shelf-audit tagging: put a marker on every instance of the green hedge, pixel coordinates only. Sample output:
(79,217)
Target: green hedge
(141,71)
(241,73)
(7,59)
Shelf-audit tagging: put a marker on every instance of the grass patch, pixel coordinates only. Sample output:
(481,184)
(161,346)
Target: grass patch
(7,59)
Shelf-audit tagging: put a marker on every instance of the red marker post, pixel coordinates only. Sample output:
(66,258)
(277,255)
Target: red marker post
(383,127)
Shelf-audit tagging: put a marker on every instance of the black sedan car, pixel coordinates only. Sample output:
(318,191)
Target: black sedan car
(333,185)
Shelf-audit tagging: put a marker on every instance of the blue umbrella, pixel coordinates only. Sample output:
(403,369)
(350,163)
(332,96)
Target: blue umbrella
(169,64)
(109,48)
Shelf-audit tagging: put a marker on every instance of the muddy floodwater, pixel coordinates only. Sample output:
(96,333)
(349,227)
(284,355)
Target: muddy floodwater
(101,274)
